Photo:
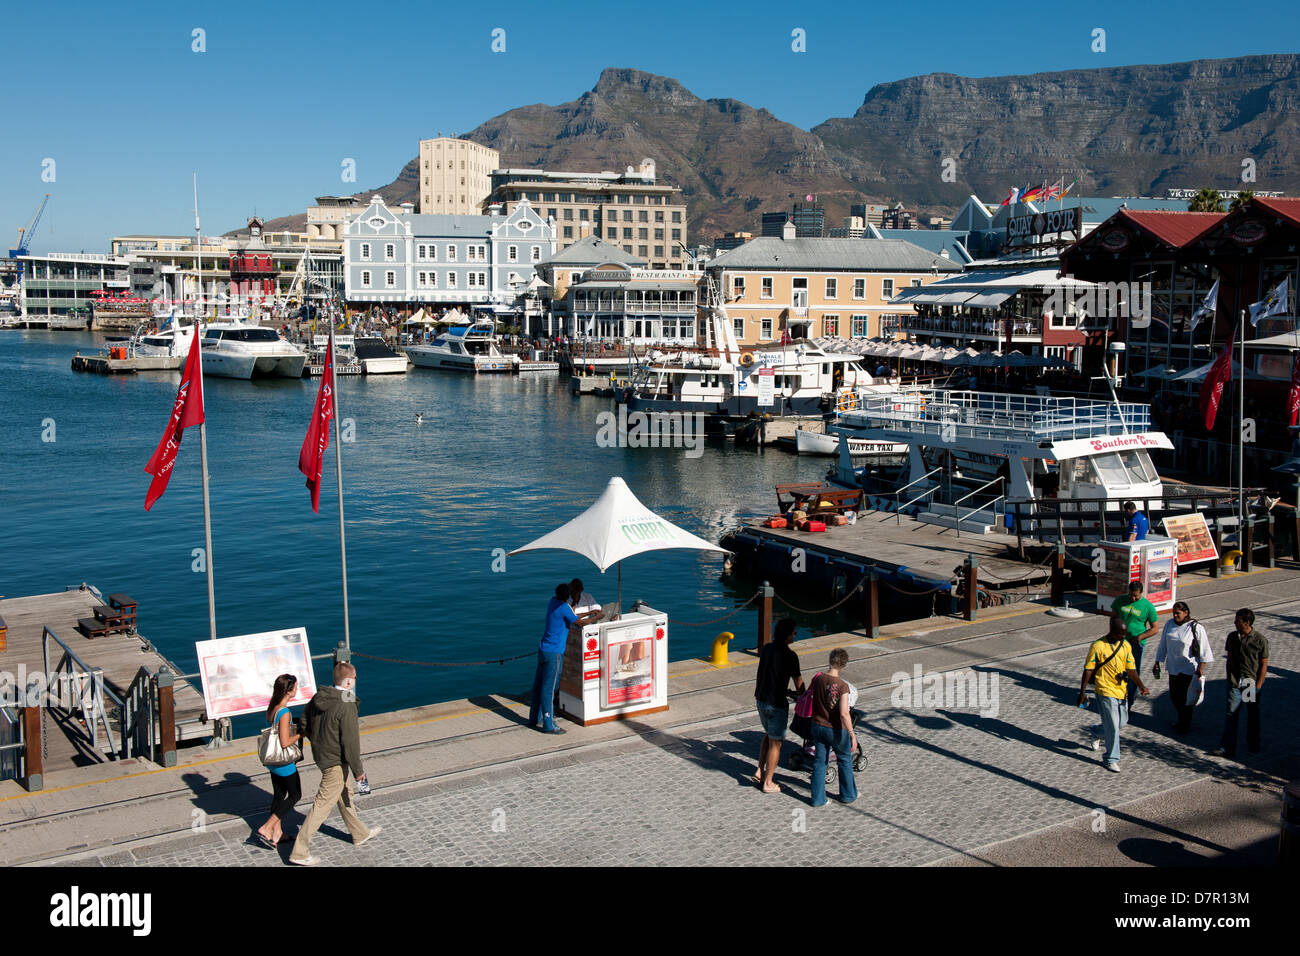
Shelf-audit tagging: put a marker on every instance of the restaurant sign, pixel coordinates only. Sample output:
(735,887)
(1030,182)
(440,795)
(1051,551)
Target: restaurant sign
(1023,229)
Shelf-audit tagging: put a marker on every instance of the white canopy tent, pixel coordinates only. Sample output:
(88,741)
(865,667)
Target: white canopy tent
(615,527)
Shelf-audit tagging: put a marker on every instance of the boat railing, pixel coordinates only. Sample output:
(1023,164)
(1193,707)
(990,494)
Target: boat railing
(898,495)
(990,415)
(956,505)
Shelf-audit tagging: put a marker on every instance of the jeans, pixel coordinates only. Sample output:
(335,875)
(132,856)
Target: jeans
(1229,742)
(542,703)
(1114,715)
(1178,686)
(825,739)
(1137,666)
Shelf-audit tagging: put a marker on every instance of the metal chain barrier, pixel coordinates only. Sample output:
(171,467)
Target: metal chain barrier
(822,610)
(894,587)
(731,613)
(394,660)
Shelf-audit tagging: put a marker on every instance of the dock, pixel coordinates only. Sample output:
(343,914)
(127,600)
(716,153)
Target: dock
(921,556)
(120,656)
(105,365)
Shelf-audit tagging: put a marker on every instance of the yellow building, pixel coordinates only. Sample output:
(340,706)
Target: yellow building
(455,175)
(813,287)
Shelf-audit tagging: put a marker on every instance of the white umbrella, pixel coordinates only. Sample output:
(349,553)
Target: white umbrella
(617,526)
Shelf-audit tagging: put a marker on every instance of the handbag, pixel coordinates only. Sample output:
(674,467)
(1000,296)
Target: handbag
(804,705)
(274,754)
(1196,690)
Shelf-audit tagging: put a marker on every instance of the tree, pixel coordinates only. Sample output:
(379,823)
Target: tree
(1206,200)
(1243,197)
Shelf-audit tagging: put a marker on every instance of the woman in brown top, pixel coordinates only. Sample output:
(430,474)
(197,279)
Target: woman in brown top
(832,729)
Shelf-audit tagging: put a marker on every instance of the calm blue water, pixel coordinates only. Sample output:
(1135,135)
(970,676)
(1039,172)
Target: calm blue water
(496,463)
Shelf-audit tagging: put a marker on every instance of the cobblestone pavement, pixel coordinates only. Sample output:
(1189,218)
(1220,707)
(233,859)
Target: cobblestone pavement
(941,780)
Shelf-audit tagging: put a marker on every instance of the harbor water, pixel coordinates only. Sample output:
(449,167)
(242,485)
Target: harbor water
(430,507)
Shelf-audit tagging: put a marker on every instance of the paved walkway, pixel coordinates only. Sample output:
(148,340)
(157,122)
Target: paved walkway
(945,784)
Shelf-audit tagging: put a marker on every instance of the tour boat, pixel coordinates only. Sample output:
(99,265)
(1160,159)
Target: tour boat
(464,348)
(376,358)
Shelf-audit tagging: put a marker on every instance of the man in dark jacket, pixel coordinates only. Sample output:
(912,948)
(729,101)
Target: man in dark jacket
(331,718)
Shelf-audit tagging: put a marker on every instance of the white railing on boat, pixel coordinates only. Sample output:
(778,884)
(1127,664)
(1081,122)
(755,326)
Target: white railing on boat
(991,415)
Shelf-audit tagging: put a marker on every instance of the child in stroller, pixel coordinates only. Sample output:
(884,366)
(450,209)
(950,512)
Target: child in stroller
(803,755)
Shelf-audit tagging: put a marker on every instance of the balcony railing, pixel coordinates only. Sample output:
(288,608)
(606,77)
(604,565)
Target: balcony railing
(968,327)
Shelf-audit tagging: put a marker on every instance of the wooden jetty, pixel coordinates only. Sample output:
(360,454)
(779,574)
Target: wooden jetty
(120,656)
(107,365)
(906,550)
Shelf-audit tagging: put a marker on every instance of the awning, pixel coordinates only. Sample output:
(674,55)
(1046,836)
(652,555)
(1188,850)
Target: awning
(990,298)
(921,295)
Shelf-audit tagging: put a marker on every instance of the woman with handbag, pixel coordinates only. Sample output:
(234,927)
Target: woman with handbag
(1185,650)
(280,750)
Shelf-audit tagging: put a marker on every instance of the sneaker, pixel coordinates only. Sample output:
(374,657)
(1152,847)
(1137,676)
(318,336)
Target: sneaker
(1096,743)
(309,861)
(554,730)
(1220,752)
(1112,767)
(374,832)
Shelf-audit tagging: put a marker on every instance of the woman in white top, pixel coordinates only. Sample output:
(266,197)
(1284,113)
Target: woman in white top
(1185,649)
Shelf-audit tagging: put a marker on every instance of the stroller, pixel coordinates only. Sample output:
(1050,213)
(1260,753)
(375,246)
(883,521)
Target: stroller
(805,755)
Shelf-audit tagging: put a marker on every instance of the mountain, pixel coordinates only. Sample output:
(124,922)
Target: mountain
(1131,130)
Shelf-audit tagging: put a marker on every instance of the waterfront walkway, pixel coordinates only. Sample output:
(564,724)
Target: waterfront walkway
(467,782)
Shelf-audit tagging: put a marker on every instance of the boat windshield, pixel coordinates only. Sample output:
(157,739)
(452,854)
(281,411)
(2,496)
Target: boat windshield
(1111,470)
(1140,469)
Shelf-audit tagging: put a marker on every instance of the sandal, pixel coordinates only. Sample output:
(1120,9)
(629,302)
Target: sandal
(776,788)
(265,841)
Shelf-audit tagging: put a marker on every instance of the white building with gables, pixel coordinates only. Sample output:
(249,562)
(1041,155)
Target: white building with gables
(484,263)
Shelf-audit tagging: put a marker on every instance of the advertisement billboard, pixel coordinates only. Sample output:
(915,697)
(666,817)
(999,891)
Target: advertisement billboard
(239,672)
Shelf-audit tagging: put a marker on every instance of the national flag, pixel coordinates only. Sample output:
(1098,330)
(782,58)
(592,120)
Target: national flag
(1293,400)
(1275,303)
(1035,194)
(186,411)
(317,442)
(1206,310)
(1013,197)
(1215,382)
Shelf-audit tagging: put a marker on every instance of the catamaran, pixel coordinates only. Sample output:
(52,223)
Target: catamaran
(243,350)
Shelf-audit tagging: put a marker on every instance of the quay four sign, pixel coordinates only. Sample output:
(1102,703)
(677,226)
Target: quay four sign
(1020,229)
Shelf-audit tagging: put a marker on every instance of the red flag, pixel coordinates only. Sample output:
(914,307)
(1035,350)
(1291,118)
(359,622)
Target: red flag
(314,446)
(187,411)
(1217,379)
(1293,402)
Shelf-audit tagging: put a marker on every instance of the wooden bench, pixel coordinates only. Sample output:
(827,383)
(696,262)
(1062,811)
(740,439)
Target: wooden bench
(821,499)
(127,606)
(93,627)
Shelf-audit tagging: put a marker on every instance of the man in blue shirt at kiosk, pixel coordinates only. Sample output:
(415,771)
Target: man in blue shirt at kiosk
(550,653)
(1136,530)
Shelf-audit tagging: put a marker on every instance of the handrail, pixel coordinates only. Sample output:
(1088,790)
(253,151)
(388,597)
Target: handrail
(141,697)
(95,713)
(956,503)
(960,517)
(898,495)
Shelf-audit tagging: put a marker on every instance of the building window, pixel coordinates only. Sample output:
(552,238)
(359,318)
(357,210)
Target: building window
(537,253)
(738,328)
(419,252)
(832,288)
(859,288)
(677,234)
(451,280)
(765,291)
(627,215)
(551,212)
(568,232)
(659,251)
(568,214)
(512,254)
(887,288)
(390,251)
(916,283)
(643,233)
(642,251)
(611,233)
(433,253)
(764,330)
(737,287)
(365,278)
(643,216)
(390,279)
(451,253)
(677,215)
(859,326)
(831,325)
(365,251)
(627,234)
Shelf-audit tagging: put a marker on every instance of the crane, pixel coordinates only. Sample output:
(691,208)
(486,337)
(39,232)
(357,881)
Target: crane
(25,235)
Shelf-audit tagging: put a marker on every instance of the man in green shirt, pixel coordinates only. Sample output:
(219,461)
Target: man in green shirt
(1139,616)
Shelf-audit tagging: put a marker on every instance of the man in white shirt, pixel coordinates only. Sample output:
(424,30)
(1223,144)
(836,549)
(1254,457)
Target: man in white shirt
(1185,647)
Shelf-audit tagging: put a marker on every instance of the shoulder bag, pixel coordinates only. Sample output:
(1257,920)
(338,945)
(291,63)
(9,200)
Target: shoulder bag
(272,753)
(1119,646)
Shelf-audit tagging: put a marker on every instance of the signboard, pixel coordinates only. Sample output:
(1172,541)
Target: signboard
(1193,537)
(1159,570)
(1081,447)
(239,672)
(766,387)
(1022,229)
(630,665)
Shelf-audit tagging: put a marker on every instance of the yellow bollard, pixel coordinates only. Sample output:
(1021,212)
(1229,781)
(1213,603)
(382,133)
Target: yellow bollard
(719,656)
(1231,560)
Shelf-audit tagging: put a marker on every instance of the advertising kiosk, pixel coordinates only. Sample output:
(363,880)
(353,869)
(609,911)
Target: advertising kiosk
(1154,562)
(616,668)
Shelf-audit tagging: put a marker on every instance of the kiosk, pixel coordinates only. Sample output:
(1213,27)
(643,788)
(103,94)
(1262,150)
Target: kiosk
(616,668)
(1154,562)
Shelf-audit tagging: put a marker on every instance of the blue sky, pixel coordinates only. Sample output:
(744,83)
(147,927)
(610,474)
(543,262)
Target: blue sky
(284,92)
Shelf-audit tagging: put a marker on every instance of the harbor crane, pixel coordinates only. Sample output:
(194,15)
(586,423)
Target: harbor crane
(25,234)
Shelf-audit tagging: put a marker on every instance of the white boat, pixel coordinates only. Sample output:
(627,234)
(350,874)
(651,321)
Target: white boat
(169,339)
(241,350)
(377,358)
(810,442)
(464,348)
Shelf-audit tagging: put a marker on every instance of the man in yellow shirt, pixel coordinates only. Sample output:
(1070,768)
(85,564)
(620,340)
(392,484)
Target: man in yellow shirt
(1110,661)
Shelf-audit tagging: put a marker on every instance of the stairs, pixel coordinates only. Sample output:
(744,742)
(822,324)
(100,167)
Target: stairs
(986,521)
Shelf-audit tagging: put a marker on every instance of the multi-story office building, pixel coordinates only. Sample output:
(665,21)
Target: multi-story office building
(814,287)
(772,224)
(326,219)
(731,240)
(455,176)
(485,262)
(62,282)
(809,220)
(628,209)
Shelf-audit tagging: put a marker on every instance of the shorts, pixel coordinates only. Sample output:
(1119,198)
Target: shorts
(774,720)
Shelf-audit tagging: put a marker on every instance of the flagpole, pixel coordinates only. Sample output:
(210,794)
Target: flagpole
(1241,445)
(338,463)
(203,426)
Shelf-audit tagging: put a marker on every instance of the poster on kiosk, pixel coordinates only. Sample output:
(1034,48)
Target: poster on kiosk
(1153,562)
(616,668)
